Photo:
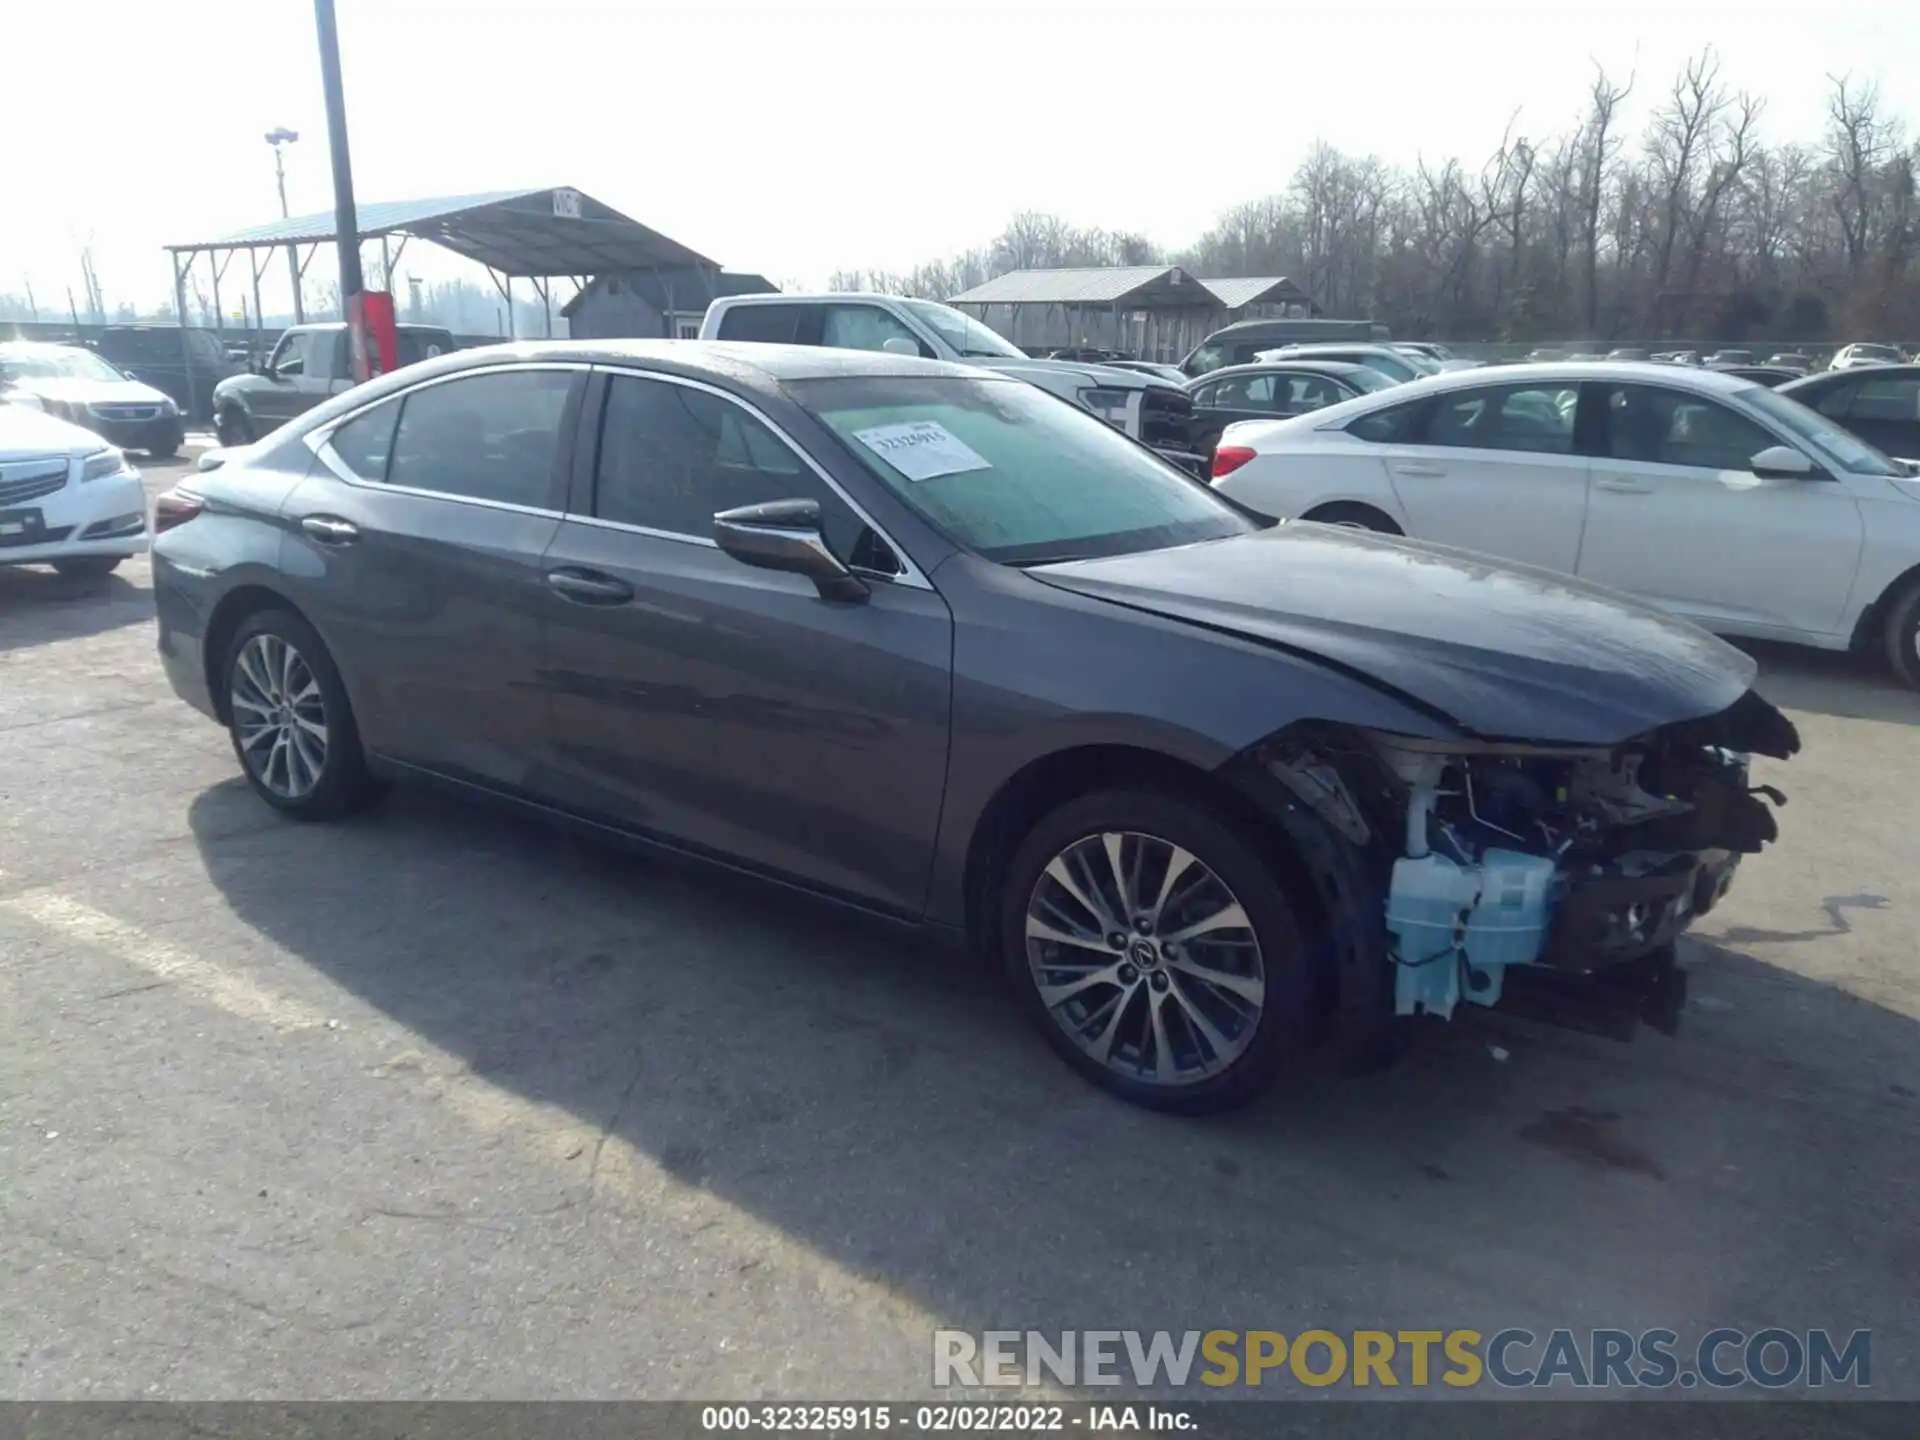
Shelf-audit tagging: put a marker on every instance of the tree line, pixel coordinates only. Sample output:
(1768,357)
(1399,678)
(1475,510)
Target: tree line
(1694,227)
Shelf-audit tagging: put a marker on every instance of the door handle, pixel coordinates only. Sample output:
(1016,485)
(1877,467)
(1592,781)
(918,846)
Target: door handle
(1621,485)
(589,587)
(1409,467)
(330,530)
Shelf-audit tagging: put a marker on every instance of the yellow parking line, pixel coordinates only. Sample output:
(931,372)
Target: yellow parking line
(554,1135)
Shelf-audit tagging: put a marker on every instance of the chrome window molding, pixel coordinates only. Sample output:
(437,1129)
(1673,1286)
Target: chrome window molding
(320,439)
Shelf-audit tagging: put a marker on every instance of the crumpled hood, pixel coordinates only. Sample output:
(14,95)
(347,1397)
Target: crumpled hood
(1506,651)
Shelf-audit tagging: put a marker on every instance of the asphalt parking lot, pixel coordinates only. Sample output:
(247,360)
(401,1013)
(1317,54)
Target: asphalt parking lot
(439,1103)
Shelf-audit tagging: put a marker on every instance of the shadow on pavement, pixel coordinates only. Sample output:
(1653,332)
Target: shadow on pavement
(39,606)
(1827,682)
(879,1102)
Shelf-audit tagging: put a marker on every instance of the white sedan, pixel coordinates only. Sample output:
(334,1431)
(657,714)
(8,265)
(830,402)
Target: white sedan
(67,498)
(1710,496)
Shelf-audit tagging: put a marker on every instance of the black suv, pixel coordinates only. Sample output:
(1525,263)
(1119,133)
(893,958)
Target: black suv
(185,368)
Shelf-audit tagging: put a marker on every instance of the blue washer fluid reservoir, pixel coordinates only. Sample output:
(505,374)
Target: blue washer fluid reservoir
(1456,925)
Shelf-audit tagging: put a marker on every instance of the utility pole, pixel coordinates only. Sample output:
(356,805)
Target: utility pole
(278,137)
(346,225)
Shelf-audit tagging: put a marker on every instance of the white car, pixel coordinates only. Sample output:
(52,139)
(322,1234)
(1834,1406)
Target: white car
(1852,357)
(67,498)
(1150,408)
(1715,498)
(1391,362)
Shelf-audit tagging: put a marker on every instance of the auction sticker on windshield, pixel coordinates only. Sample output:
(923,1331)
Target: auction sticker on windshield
(921,449)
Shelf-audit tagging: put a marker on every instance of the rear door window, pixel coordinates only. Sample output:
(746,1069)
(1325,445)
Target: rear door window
(1395,425)
(364,443)
(492,437)
(1535,418)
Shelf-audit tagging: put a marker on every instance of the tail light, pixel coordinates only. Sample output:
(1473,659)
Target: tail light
(174,508)
(1229,458)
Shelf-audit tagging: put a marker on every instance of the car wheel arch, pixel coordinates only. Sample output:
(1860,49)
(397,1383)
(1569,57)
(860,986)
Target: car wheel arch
(1360,514)
(229,613)
(1869,630)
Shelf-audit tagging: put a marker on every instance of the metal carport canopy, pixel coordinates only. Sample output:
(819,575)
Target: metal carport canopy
(530,233)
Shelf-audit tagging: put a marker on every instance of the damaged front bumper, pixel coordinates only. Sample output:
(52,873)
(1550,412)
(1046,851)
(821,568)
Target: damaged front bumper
(1550,881)
(1590,951)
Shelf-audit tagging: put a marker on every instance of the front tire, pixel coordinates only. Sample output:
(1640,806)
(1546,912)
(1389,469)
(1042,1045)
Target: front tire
(1903,636)
(290,721)
(88,567)
(233,427)
(1191,1002)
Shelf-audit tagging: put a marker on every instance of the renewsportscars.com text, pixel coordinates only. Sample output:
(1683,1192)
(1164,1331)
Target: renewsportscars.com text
(1724,1359)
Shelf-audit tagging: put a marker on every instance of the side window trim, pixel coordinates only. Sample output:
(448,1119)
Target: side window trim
(320,439)
(582,494)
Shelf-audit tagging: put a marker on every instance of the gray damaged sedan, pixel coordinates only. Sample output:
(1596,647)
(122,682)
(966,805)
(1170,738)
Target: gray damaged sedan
(931,643)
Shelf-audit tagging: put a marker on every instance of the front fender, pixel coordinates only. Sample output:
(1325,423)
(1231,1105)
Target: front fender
(1097,675)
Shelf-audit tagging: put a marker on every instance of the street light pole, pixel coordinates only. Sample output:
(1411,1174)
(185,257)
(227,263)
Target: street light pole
(277,138)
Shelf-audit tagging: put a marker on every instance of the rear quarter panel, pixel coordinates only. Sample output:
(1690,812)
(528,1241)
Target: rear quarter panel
(236,541)
(1297,468)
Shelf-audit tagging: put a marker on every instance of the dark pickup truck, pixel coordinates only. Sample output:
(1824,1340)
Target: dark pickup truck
(309,363)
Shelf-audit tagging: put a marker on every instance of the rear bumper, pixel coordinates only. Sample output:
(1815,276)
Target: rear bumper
(181,634)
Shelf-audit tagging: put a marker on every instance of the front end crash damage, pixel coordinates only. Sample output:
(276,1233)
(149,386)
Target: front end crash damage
(1545,880)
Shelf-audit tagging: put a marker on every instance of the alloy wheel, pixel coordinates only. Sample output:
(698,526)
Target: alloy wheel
(279,716)
(1145,958)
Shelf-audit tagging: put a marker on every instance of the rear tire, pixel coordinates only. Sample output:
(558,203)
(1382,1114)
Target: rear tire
(1130,1007)
(1903,636)
(291,724)
(1353,516)
(232,426)
(88,567)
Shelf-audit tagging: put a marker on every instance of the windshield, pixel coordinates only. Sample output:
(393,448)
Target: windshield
(1013,473)
(54,362)
(964,333)
(1838,447)
(1876,352)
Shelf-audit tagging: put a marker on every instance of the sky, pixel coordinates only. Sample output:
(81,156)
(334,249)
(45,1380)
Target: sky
(796,137)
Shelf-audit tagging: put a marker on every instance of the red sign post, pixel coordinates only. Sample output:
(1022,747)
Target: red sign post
(374,344)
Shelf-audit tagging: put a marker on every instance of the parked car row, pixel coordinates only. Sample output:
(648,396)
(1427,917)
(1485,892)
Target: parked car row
(67,498)
(75,384)
(1613,472)
(1132,398)
(921,639)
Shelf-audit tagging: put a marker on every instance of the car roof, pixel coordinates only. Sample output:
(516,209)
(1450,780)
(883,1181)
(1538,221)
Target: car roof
(745,362)
(1310,348)
(1820,379)
(1308,366)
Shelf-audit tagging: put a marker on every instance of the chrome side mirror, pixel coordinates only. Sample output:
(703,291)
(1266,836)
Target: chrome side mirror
(1781,462)
(785,535)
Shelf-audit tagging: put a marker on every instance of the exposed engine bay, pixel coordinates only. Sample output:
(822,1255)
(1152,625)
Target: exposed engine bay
(1547,880)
